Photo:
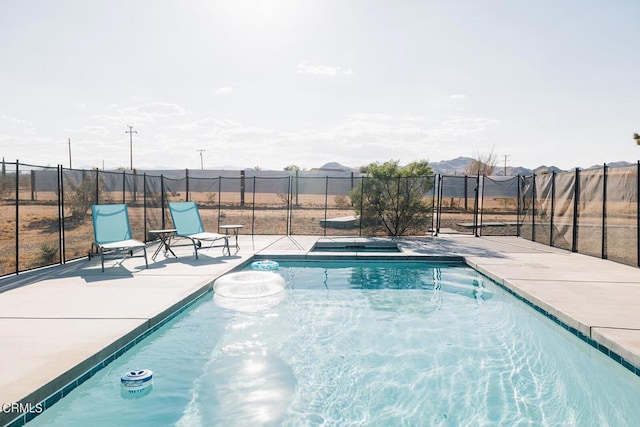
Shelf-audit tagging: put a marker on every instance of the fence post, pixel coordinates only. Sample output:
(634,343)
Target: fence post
(17,216)
(481,206)
(64,244)
(604,211)
(553,206)
(298,187)
(220,195)
(576,201)
(433,203)
(534,195)
(436,202)
(124,186)
(242,188)
(326,197)
(289,202)
(518,206)
(186,176)
(253,208)
(144,202)
(362,178)
(33,185)
(439,208)
(135,187)
(397,208)
(162,198)
(475,206)
(60,239)
(466,190)
(97,199)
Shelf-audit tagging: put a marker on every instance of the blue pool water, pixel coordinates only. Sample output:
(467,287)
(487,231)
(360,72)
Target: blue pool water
(362,343)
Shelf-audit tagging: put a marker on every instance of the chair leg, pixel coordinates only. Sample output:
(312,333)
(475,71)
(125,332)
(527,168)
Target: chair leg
(102,258)
(145,256)
(195,247)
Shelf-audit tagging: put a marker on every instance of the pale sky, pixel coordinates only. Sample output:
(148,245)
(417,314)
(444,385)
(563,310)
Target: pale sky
(281,82)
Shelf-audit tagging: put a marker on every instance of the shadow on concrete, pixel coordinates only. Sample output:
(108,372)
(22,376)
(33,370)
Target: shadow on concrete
(114,273)
(443,246)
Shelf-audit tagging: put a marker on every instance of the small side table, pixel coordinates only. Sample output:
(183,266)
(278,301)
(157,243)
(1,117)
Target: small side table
(165,236)
(234,228)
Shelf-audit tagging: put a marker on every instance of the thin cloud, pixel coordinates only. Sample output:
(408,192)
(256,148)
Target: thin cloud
(12,122)
(144,113)
(458,96)
(379,116)
(90,130)
(157,109)
(322,70)
(208,123)
(459,127)
(224,90)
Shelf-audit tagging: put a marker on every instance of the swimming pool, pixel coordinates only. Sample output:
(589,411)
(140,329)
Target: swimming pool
(362,343)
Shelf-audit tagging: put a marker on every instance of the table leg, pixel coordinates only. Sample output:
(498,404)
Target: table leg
(167,247)
(155,254)
(237,245)
(226,245)
(165,243)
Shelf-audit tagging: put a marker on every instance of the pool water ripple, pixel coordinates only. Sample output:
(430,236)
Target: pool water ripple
(442,347)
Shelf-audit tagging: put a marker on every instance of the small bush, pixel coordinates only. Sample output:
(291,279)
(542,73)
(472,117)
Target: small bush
(48,251)
(342,201)
(79,197)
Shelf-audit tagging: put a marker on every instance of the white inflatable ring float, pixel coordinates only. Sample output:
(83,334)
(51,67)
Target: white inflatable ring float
(249,284)
(265,265)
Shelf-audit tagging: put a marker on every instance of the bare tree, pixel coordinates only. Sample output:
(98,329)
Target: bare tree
(482,163)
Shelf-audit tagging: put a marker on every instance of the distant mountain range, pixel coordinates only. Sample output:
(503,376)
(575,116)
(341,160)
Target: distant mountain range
(460,165)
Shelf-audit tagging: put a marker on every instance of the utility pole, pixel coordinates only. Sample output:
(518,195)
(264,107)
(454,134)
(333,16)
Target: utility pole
(70,154)
(506,156)
(131,132)
(201,161)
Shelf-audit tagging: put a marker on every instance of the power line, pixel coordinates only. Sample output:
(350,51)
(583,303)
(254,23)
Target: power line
(201,161)
(131,132)
(70,167)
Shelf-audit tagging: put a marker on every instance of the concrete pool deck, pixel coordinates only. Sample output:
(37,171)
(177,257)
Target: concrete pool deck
(56,324)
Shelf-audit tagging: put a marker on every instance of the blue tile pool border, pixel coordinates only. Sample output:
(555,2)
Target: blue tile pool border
(64,391)
(573,331)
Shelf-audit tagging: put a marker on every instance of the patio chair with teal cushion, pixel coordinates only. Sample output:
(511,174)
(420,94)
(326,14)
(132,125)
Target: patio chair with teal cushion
(188,224)
(112,232)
